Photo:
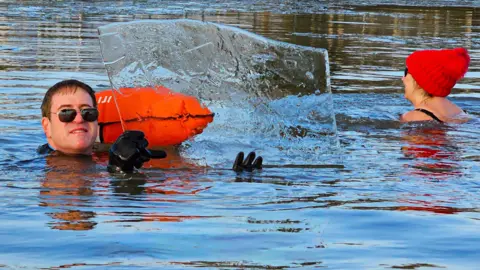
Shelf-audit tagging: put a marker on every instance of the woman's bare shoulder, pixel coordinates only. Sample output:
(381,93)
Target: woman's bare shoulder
(414,116)
(445,107)
(460,118)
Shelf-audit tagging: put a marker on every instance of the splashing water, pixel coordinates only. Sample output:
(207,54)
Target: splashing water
(268,96)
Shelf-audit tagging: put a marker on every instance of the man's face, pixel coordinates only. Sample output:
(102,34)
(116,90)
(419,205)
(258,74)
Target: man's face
(76,137)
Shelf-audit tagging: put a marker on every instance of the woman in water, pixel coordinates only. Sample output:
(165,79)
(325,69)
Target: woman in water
(429,78)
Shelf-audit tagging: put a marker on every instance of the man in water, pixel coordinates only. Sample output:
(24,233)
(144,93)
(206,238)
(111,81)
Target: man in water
(69,120)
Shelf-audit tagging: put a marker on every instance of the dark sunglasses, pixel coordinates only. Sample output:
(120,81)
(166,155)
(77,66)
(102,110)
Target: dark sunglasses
(68,115)
(406,72)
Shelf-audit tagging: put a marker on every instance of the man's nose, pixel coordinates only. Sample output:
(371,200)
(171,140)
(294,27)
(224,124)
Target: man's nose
(78,118)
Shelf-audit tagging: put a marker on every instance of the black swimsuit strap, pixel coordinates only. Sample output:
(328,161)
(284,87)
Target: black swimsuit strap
(429,113)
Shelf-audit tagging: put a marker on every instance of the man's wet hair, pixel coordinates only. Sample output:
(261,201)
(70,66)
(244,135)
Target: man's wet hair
(67,86)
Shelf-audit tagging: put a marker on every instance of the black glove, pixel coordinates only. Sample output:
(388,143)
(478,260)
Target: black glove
(129,151)
(249,164)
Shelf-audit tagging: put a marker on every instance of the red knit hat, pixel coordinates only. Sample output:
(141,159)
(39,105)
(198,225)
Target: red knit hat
(437,71)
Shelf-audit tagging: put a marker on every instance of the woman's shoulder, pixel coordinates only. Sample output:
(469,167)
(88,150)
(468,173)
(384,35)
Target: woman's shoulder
(415,115)
(460,118)
(445,107)
(448,113)
(447,110)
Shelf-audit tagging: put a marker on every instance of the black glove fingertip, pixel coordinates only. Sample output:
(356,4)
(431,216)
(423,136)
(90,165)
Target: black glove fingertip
(237,164)
(157,153)
(257,164)
(249,159)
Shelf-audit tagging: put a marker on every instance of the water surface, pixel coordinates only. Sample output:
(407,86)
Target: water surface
(402,196)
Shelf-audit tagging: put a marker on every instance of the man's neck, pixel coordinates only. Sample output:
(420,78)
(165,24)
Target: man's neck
(86,152)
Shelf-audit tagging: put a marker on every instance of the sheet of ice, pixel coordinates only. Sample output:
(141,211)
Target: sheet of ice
(268,96)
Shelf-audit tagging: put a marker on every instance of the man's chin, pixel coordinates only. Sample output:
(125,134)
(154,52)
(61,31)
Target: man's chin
(79,149)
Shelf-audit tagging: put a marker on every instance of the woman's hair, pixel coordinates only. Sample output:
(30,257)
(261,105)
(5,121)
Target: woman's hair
(426,94)
(423,93)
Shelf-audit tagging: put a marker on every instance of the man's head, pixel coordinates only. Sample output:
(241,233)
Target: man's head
(69,117)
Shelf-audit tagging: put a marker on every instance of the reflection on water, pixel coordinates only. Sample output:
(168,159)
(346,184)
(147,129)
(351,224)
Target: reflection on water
(66,188)
(405,196)
(71,184)
(434,153)
(367,46)
(435,157)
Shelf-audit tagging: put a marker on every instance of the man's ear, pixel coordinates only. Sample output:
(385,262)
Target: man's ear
(46,126)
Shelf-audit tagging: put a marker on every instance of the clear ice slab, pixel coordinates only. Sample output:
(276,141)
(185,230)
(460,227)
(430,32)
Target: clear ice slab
(269,96)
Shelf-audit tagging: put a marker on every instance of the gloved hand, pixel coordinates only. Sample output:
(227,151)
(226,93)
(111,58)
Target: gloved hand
(249,164)
(129,151)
